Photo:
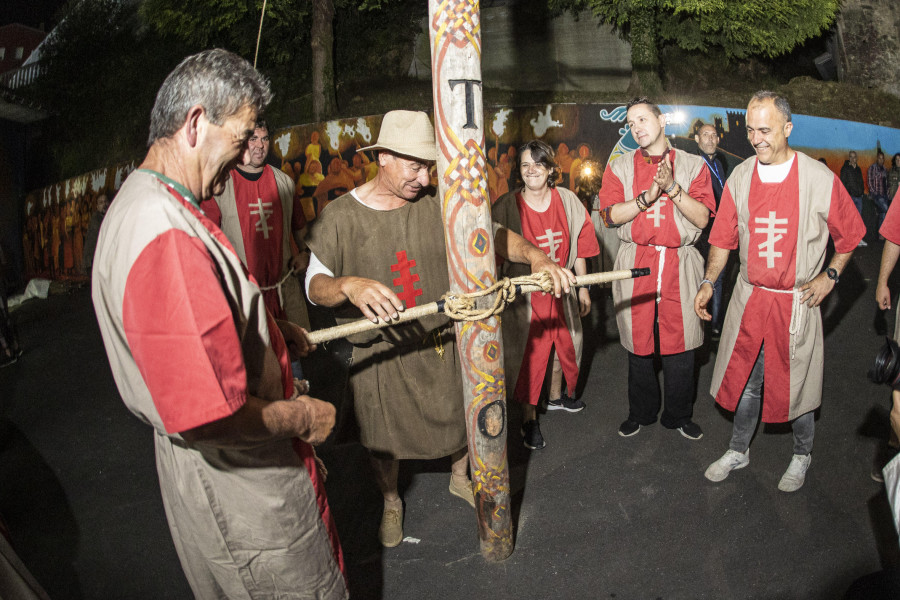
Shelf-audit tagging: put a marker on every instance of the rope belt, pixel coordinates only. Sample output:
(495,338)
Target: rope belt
(277,286)
(662,263)
(797,315)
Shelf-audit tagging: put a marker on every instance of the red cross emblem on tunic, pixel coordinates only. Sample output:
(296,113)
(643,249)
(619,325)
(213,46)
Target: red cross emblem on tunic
(406,280)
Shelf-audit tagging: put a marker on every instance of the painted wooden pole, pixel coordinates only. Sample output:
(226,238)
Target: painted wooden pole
(455,33)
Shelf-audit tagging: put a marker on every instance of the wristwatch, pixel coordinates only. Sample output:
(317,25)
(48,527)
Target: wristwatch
(832,274)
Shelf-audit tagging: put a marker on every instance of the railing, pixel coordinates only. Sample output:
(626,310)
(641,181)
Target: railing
(20,77)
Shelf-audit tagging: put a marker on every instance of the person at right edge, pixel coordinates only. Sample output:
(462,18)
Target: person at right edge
(890,229)
(778,209)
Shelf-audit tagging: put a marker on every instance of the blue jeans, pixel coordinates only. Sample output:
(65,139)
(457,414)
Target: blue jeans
(881,208)
(715,303)
(746,416)
(857,200)
(297,369)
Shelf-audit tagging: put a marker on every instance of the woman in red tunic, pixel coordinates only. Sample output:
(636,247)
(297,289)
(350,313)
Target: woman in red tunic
(553,219)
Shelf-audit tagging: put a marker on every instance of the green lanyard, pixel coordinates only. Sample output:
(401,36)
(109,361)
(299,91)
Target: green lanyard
(185,193)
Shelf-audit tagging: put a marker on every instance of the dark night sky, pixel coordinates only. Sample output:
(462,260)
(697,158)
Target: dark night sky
(30,12)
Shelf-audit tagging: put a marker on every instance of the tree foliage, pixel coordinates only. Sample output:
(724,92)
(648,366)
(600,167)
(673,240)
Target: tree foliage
(234,25)
(106,59)
(740,28)
(100,73)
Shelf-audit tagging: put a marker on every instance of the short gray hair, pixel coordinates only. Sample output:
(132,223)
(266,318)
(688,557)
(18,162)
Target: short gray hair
(221,82)
(780,101)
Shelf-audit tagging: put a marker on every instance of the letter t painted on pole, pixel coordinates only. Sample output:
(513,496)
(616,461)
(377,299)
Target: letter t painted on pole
(470,99)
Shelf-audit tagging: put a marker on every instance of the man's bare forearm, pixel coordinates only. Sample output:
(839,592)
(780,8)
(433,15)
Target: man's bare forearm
(259,421)
(715,262)
(889,257)
(839,261)
(694,211)
(327,291)
(514,247)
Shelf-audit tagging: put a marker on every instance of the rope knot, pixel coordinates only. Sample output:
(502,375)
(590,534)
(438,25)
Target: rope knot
(462,307)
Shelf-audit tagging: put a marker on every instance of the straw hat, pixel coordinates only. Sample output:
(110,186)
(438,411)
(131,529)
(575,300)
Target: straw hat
(408,133)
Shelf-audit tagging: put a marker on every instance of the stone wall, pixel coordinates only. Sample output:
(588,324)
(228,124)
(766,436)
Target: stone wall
(869,33)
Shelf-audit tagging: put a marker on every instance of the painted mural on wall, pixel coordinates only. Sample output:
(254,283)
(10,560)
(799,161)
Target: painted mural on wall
(62,222)
(323,161)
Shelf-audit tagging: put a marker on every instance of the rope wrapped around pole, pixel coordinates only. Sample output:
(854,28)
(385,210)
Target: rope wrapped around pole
(462,307)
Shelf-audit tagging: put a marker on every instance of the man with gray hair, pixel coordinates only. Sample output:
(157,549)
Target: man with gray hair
(196,356)
(778,208)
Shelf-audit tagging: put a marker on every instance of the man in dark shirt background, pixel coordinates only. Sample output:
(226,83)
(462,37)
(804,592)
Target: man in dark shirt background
(851,177)
(707,139)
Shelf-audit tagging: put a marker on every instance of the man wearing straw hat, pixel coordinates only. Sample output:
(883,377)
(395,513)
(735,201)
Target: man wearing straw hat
(376,251)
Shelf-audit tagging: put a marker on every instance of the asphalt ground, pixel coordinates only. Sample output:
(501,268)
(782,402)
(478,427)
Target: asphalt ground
(595,515)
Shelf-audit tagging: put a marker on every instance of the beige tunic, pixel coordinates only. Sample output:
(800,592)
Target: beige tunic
(676,266)
(793,382)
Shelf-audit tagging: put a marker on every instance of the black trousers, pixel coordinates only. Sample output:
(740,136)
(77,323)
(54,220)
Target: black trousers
(678,386)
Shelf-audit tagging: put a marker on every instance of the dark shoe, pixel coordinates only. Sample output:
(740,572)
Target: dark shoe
(716,334)
(566,403)
(531,435)
(691,431)
(5,361)
(629,428)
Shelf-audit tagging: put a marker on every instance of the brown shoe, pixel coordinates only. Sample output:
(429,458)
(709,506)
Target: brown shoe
(462,490)
(391,531)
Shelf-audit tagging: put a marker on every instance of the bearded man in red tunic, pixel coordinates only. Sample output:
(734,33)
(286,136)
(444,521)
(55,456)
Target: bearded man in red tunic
(778,209)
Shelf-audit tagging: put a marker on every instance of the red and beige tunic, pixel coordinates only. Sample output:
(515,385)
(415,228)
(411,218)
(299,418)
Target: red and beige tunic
(188,340)
(406,380)
(782,232)
(661,239)
(890,230)
(532,328)
(258,218)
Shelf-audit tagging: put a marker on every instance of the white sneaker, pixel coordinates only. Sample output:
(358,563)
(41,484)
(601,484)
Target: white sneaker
(793,478)
(730,461)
